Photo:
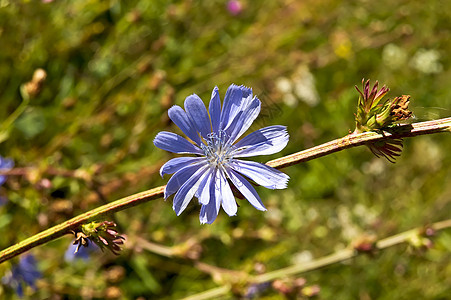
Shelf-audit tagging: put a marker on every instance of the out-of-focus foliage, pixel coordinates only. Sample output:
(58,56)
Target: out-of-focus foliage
(113,68)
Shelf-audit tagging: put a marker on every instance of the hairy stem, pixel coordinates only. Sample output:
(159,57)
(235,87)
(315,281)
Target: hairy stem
(349,141)
(354,140)
(66,227)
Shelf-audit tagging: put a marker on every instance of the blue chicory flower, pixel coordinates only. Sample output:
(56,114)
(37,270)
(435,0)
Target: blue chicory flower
(6,164)
(255,289)
(214,134)
(83,253)
(25,272)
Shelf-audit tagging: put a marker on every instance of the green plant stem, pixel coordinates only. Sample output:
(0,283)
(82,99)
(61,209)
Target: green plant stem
(354,140)
(72,224)
(5,126)
(322,262)
(351,140)
(180,251)
(19,110)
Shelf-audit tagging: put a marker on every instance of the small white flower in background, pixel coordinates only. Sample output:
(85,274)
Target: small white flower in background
(284,85)
(304,86)
(427,61)
(394,57)
(300,87)
(302,257)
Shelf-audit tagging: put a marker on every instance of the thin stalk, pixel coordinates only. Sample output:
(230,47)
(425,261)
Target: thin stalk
(349,141)
(5,126)
(322,262)
(19,110)
(346,254)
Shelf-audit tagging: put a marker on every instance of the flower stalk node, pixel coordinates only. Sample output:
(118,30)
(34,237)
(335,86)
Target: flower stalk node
(365,244)
(103,234)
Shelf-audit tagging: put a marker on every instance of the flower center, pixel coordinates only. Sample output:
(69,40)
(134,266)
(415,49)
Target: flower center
(217,149)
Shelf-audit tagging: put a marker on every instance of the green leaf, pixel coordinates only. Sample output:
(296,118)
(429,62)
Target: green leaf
(31,123)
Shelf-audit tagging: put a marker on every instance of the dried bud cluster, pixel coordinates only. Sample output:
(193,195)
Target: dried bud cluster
(375,114)
(400,109)
(103,234)
(296,288)
(365,244)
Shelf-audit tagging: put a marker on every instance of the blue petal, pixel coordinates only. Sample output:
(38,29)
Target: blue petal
(215,109)
(188,189)
(83,252)
(203,192)
(6,164)
(246,189)
(235,100)
(265,141)
(180,118)
(19,290)
(175,143)
(198,114)
(243,120)
(209,212)
(261,174)
(177,163)
(180,177)
(27,270)
(223,190)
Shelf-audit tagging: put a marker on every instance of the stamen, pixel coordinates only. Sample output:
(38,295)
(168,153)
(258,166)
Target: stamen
(217,149)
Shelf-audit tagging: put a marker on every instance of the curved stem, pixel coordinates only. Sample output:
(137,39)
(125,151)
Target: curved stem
(349,141)
(66,227)
(322,262)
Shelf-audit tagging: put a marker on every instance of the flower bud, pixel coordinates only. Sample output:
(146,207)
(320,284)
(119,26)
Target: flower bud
(103,234)
(32,88)
(375,114)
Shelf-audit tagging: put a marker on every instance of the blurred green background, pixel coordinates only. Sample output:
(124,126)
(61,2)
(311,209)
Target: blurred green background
(113,68)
